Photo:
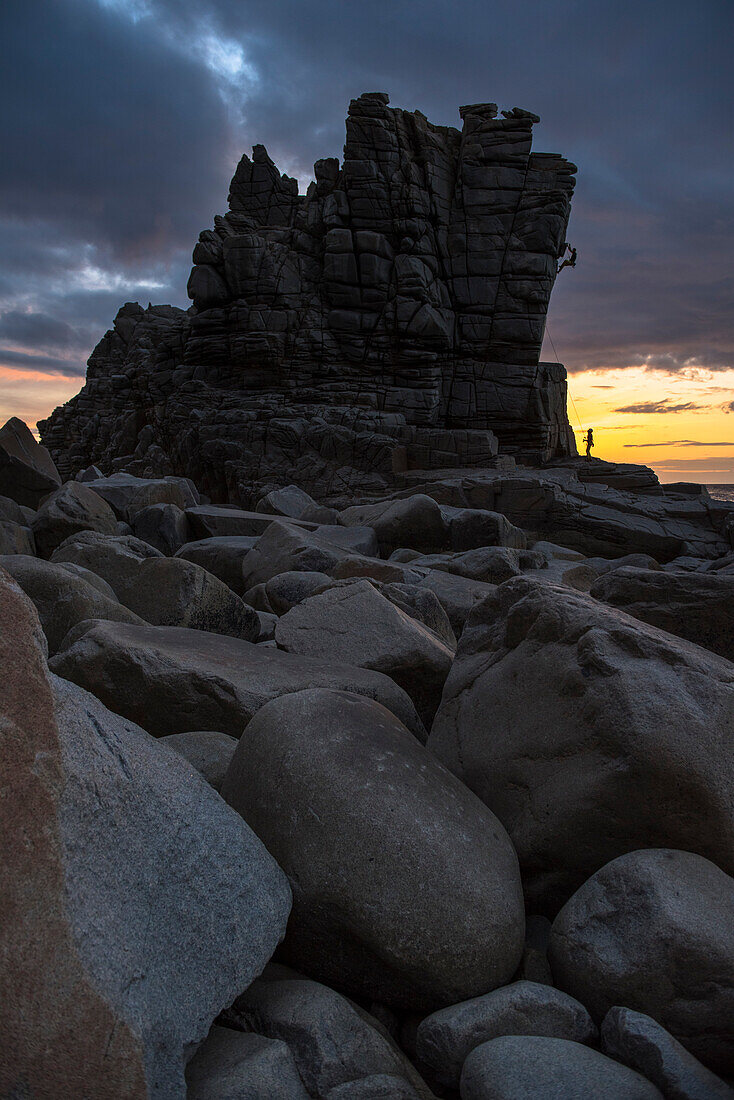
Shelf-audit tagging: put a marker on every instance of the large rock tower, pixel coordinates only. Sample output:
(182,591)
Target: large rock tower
(390,318)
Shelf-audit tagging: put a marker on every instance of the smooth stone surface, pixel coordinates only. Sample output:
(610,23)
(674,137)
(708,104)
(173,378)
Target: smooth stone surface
(268,623)
(379,1086)
(27,471)
(581,577)
(288,589)
(162,525)
(589,734)
(12,512)
(354,623)
(92,578)
(386,572)
(553,550)
(457,595)
(446,1038)
(406,888)
(237,1065)
(136,904)
(206,750)
(632,561)
(213,520)
(643,1045)
(16,538)
(284,547)
(295,503)
(116,559)
(175,592)
(127,494)
(696,606)
(61,599)
(471,528)
(416,522)
(332,1041)
(654,931)
(359,540)
(67,511)
(223,556)
(89,473)
(178,680)
(524,1067)
(257,597)
(489,564)
(422,604)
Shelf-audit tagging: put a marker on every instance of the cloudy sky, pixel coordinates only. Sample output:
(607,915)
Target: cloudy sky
(121,122)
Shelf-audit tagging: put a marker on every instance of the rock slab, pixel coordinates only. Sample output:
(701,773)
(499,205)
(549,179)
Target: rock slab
(446,1038)
(355,623)
(136,905)
(654,931)
(27,471)
(589,734)
(643,1045)
(696,606)
(175,680)
(524,1067)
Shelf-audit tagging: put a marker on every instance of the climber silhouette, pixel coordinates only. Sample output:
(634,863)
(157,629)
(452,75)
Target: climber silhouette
(570,261)
(589,441)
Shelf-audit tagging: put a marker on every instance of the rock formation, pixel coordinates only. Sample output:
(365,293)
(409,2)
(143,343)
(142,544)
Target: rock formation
(453,736)
(389,319)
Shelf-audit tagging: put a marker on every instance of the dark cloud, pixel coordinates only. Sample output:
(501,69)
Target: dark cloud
(47,363)
(38,329)
(121,122)
(115,136)
(664,406)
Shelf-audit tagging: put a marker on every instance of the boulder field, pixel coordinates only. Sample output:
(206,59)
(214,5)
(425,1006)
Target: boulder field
(430,795)
(427,796)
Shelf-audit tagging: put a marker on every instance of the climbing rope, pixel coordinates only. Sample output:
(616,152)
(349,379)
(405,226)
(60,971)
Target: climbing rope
(578,418)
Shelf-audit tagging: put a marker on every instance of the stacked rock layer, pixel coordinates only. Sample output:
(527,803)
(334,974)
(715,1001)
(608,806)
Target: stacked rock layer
(389,319)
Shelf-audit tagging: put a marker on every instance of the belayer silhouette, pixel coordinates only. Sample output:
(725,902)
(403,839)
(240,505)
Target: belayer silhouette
(570,260)
(589,441)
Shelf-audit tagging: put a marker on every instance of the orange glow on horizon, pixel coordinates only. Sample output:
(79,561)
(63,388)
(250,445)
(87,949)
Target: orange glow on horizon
(693,443)
(32,394)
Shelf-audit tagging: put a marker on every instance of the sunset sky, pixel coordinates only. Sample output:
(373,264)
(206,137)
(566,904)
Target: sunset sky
(121,122)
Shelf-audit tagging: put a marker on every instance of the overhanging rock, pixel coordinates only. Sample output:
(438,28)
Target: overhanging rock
(390,318)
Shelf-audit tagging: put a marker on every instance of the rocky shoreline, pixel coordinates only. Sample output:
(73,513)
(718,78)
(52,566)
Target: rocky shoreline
(427,792)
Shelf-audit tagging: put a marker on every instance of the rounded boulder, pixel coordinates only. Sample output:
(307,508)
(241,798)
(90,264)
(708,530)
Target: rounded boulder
(406,887)
(654,931)
(528,1067)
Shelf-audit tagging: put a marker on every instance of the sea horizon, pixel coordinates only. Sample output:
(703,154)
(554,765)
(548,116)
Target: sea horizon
(719,491)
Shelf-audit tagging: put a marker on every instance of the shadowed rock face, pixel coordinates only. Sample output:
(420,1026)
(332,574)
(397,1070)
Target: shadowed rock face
(391,318)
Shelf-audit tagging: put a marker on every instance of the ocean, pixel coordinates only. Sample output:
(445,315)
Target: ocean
(721,492)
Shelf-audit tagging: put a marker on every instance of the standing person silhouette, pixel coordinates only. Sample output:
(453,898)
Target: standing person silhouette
(589,441)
